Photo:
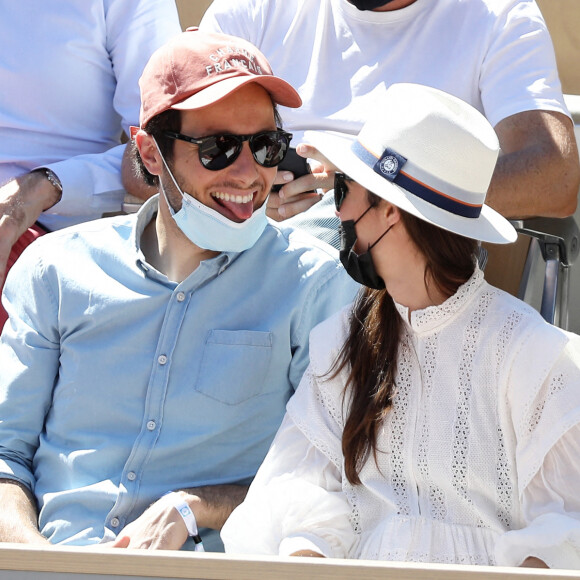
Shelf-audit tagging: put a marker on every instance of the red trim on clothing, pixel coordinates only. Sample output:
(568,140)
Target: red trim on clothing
(23,241)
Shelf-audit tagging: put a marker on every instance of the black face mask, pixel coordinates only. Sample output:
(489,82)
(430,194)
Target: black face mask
(360,268)
(368,4)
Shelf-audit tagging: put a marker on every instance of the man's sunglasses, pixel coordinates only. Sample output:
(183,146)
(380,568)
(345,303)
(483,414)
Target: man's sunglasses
(340,188)
(220,151)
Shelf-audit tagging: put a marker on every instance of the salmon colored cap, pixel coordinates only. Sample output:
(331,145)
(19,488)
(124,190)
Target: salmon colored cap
(196,69)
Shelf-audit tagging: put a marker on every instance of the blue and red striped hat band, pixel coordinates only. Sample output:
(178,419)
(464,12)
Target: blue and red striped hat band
(389,166)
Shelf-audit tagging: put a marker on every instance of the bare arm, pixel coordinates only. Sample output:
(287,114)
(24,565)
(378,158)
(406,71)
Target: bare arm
(18,517)
(538,173)
(213,504)
(162,528)
(22,200)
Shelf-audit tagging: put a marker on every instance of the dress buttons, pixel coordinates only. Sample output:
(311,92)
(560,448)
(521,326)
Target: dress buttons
(180,297)
(115,522)
(131,476)
(162,359)
(151,425)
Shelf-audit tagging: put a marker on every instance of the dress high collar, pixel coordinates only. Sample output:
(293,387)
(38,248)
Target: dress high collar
(433,317)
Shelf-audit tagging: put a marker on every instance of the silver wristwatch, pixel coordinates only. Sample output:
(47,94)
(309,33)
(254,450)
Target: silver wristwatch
(53,178)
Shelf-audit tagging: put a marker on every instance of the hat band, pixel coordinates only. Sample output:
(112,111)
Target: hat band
(412,185)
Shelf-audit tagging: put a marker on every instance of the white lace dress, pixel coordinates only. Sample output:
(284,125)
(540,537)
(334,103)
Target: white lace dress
(479,458)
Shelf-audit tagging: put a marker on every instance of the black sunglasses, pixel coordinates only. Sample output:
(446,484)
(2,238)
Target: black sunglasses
(340,188)
(219,151)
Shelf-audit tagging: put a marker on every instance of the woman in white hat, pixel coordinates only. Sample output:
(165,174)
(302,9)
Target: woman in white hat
(439,418)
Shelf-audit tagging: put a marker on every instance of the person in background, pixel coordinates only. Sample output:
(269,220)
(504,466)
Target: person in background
(147,363)
(69,75)
(439,419)
(342,55)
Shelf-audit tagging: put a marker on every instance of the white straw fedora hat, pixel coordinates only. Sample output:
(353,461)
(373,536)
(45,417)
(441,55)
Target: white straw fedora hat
(430,154)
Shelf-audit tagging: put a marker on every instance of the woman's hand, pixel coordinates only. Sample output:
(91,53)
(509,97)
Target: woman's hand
(298,195)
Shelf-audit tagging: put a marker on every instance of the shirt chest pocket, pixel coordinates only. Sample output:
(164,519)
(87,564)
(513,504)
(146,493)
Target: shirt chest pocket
(234,365)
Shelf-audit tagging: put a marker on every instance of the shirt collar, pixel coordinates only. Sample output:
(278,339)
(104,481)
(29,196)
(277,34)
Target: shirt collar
(146,213)
(390,18)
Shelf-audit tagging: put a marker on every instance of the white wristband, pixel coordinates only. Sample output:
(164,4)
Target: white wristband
(188,518)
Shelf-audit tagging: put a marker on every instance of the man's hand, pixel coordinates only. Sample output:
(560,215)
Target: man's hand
(297,195)
(22,200)
(162,528)
(159,528)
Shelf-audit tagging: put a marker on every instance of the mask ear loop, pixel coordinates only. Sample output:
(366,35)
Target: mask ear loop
(363,215)
(371,246)
(171,210)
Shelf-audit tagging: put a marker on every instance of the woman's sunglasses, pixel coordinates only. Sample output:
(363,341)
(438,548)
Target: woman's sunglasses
(219,151)
(340,188)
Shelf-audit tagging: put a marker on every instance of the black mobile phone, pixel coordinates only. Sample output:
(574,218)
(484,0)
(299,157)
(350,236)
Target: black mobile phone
(294,163)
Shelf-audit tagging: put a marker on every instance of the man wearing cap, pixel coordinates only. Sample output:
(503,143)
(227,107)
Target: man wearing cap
(147,363)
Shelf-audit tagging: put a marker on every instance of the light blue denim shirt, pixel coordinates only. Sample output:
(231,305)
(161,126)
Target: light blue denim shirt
(118,385)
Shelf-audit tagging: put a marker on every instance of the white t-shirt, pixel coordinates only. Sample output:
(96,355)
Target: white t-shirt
(496,55)
(478,459)
(69,76)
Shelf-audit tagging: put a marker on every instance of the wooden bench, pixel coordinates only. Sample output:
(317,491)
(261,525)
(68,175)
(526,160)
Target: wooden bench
(22,562)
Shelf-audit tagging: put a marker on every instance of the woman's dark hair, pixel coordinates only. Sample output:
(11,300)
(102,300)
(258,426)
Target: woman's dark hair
(370,351)
(169,120)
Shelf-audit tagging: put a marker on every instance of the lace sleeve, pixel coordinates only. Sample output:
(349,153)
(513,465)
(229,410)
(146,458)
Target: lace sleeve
(551,508)
(543,396)
(545,407)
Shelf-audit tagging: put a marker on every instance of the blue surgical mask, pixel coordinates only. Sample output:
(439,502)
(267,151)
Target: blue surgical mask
(209,229)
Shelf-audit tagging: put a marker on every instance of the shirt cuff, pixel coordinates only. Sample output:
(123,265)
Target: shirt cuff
(553,538)
(91,184)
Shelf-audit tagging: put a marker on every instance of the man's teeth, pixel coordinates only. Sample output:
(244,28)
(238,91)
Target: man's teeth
(234,198)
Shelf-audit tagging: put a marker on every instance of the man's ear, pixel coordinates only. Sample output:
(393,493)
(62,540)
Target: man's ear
(149,152)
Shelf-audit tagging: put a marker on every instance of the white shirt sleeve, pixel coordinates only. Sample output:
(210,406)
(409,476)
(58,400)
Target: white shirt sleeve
(295,503)
(518,71)
(134,30)
(244,19)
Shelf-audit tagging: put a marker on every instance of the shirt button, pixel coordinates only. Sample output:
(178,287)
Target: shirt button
(180,297)
(115,522)
(151,425)
(162,359)
(131,476)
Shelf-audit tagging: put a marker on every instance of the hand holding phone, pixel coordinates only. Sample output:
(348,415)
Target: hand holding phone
(295,163)
(293,199)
